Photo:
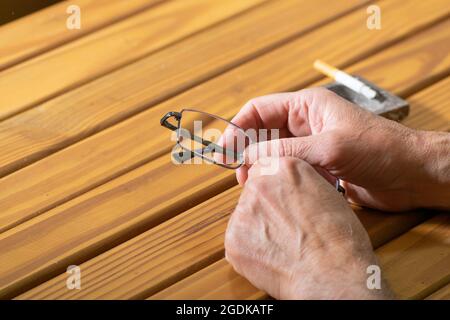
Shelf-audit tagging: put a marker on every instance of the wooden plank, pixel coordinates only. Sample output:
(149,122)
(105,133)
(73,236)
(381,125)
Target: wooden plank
(96,221)
(26,267)
(414,264)
(175,249)
(46,29)
(431,108)
(192,238)
(54,180)
(101,103)
(418,262)
(136,270)
(92,56)
(441,294)
(217,281)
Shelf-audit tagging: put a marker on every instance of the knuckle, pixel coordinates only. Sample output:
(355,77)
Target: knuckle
(284,147)
(289,169)
(316,92)
(293,169)
(289,164)
(253,102)
(294,165)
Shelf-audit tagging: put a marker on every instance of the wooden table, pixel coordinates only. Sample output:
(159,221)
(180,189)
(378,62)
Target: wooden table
(86,175)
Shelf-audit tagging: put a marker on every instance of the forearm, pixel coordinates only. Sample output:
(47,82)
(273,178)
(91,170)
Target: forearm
(432,190)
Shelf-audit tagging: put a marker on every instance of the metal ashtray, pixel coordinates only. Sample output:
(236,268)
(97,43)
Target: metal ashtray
(384,104)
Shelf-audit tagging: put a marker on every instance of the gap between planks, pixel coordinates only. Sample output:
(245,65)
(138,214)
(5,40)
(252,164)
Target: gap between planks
(46,29)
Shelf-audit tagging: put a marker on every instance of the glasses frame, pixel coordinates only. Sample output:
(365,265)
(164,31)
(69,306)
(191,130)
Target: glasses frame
(189,154)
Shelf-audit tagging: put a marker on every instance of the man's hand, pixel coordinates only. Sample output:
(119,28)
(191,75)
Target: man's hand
(383,164)
(295,237)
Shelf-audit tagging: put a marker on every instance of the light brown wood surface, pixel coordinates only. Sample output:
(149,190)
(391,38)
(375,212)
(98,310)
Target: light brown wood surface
(217,281)
(441,294)
(112,98)
(142,137)
(417,263)
(157,257)
(55,179)
(100,219)
(46,29)
(86,176)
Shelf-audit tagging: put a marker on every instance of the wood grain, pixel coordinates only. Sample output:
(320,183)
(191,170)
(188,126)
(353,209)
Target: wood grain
(217,281)
(46,29)
(96,221)
(101,103)
(101,52)
(441,294)
(418,262)
(175,249)
(431,108)
(381,226)
(56,179)
(31,272)
(157,257)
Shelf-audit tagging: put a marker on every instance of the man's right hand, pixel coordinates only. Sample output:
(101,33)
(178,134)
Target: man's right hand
(383,164)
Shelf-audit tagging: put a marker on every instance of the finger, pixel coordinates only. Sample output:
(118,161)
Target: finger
(326,175)
(264,166)
(294,113)
(266,112)
(242,174)
(309,148)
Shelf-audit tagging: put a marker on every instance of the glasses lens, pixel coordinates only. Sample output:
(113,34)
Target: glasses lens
(212,138)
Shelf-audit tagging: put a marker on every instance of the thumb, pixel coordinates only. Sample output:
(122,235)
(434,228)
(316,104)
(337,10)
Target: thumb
(308,148)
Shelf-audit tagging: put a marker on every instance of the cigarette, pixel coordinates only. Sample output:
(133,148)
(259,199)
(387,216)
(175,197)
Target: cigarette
(345,79)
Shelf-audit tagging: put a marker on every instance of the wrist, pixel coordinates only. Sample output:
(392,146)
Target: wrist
(360,286)
(347,280)
(431,188)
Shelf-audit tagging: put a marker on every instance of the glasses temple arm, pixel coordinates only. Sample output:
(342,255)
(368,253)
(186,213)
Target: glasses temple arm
(177,115)
(215,147)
